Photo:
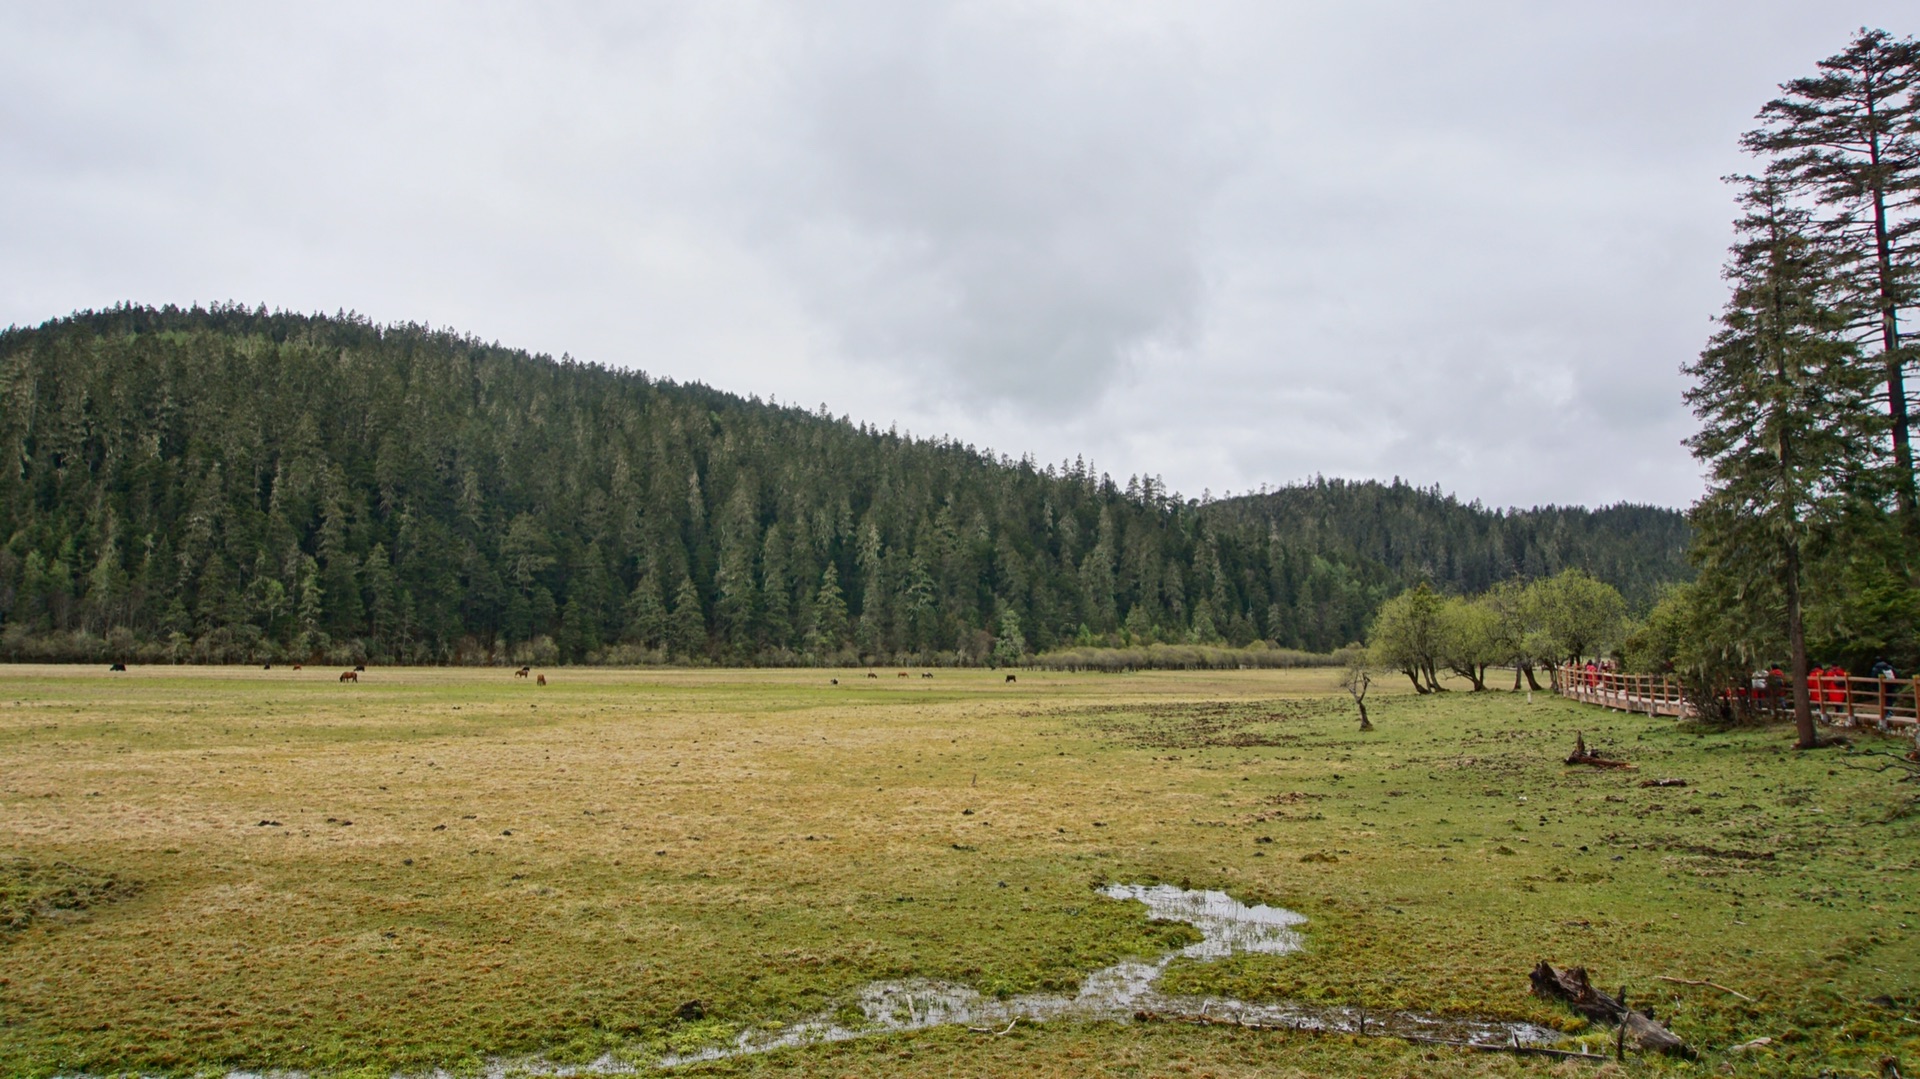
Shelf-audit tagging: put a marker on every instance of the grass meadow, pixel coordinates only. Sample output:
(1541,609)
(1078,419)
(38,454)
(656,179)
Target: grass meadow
(205,869)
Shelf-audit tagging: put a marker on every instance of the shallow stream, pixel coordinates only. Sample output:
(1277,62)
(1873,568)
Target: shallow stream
(1227,927)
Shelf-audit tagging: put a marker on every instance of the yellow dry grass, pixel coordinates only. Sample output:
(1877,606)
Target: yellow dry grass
(433,867)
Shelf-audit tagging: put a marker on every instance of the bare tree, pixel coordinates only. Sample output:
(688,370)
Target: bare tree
(1355,680)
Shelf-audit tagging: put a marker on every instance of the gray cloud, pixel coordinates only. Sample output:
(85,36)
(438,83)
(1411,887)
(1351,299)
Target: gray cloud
(1012,196)
(1230,244)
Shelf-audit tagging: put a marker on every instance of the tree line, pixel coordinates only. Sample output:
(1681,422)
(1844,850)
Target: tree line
(1523,625)
(233,484)
(1807,542)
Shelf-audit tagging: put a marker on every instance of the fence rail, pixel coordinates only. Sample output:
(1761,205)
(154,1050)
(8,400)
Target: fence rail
(1842,700)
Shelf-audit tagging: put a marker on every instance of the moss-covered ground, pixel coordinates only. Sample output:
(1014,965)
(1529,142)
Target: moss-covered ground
(211,869)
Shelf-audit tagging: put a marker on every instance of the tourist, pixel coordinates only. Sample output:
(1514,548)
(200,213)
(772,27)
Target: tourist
(1837,688)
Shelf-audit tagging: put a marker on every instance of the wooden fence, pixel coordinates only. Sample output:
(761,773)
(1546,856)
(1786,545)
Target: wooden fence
(1840,700)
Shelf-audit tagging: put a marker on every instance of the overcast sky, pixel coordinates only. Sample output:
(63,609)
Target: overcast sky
(1463,243)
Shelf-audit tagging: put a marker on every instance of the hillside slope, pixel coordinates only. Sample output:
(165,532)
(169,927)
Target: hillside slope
(1412,533)
(238,484)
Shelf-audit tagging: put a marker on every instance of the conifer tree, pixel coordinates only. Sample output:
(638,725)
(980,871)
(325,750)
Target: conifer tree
(1849,137)
(646,613)
(1785,418)
(687,626)
(828,632)
(1009,644)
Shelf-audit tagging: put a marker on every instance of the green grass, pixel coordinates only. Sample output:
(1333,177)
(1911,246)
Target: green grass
(556,870)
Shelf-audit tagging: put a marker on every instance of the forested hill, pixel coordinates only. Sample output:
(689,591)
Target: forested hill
(234,484)
(1412,533)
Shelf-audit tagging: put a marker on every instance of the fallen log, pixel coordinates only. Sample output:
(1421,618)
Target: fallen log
(1582,755)
(1571,987)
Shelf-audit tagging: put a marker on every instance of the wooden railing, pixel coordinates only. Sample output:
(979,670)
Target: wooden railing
(1648,694)
(1842,700)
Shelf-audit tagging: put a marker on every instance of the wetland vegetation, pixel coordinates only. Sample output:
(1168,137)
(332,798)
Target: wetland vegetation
(206,869)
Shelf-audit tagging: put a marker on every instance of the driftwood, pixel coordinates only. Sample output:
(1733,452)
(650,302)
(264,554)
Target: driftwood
(990,1030)
(1572,987)
(1583,755)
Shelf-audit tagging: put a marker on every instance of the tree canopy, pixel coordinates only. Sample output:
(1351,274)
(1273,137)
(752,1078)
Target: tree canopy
(234,483)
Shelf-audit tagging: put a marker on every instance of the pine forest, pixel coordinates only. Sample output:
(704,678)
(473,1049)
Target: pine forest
(234,485)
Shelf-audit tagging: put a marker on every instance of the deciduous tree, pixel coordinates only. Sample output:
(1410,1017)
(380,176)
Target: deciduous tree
(1408,636)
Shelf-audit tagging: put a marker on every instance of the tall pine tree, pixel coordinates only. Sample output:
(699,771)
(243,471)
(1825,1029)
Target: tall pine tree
(1786,422)
(1849,138)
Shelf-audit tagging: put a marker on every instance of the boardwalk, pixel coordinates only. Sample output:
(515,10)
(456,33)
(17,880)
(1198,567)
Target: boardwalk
(1841,701)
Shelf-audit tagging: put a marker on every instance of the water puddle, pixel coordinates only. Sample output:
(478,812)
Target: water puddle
(1227,927)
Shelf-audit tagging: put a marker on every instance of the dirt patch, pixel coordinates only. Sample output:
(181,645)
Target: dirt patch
(1203,724)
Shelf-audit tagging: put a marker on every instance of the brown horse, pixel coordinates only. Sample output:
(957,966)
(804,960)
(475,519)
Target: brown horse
(349,676)
(541,679)
(521,673)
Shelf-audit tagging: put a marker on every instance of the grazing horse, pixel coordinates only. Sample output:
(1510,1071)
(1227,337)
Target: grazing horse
(833,681)
(902,674)
(870,674)
(266,666)
(1011,678)
(541,679)
(118,667)
(521,673)
(349,676)
(296,666)
(926,674)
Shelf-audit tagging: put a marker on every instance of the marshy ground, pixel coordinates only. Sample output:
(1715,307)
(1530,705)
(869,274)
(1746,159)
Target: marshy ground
(209,869)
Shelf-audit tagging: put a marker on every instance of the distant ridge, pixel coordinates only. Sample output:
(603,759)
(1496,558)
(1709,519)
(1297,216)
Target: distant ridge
(1413,533)
(235,484)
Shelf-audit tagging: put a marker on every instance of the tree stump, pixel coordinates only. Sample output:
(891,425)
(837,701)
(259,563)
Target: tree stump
(1572,987)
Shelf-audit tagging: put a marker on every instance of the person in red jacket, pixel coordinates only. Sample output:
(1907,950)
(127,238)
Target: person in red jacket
(1837,688)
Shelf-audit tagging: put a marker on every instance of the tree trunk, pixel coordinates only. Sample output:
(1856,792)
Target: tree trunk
(1903,495)
(1797,644)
